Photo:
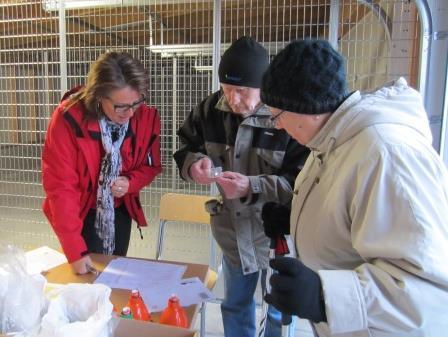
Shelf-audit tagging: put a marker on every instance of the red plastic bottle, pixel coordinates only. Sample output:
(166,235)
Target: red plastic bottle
(174,314)
(138,307)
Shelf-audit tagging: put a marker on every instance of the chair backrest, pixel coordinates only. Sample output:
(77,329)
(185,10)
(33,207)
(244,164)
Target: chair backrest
(184,207)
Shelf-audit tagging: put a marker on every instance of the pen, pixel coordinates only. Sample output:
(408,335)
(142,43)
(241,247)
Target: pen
(91,269)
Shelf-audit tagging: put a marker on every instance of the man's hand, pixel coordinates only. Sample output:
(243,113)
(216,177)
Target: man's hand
(120,186)
(296,290)
(234,184)
(275,218)
(200,171)
(80,266)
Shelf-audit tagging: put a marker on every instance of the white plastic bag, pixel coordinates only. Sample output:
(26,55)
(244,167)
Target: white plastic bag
(22,299)
(79,310)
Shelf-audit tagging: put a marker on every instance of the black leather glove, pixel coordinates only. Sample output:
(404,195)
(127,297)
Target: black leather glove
(296,290)
(275,218)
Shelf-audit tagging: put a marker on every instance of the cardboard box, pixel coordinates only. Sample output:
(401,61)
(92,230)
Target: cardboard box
(133,328)
(119,297)
(130,327)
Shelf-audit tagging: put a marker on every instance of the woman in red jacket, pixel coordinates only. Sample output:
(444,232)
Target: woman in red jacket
(101,148)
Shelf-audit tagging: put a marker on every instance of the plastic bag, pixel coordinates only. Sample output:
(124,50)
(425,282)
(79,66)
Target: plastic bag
(22,299)
(79,310)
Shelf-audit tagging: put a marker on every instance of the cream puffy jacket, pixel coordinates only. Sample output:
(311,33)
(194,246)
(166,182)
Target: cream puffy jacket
(370,215)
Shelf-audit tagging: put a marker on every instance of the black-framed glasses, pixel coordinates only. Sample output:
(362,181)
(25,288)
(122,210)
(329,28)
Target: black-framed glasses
(122,108)
(274,118)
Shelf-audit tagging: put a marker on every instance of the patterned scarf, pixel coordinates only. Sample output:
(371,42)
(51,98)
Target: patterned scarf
(110,170)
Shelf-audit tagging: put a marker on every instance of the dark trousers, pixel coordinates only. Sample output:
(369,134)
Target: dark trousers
(123,223)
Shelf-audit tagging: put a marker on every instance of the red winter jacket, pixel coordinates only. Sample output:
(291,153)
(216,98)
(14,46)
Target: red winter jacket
(71,162)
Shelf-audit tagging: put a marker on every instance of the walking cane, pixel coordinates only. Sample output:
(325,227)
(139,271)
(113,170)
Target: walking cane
(278,246)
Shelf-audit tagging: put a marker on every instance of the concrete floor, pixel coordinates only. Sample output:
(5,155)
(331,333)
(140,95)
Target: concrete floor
(213,326)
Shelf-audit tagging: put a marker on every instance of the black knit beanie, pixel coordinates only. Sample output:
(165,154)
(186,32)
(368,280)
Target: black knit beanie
(243,63)
(306,77)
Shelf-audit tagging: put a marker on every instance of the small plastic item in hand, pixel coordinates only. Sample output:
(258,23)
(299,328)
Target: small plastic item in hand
(92,270)
(215,172)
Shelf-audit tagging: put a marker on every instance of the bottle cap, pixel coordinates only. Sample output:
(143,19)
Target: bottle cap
(126,311)
(174,298)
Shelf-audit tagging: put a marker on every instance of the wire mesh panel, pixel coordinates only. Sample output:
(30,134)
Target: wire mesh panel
(46,46)
(29,72)
(380,42)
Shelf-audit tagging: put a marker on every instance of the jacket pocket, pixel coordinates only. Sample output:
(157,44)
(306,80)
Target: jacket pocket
(223,231)
(220,154)
(270,161)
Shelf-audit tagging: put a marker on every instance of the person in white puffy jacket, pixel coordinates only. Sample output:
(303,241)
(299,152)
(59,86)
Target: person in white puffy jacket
(370,210)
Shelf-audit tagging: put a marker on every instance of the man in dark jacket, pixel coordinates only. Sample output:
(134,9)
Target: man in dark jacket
(232,129)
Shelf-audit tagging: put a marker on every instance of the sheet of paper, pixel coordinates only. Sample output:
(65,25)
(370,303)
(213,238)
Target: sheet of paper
(190,291)
(156,281)
(128,273)
(42,259)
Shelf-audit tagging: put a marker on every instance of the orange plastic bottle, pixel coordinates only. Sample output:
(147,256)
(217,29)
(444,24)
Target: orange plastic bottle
(138,307)
(174,314)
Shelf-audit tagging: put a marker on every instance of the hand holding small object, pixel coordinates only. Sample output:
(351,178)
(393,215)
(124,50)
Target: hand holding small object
(92,269)
(80,266)
(275,218)
(200,170)
(120,186)
(215,172)
(235,185)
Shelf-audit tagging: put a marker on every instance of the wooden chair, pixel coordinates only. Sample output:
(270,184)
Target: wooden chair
(175,207)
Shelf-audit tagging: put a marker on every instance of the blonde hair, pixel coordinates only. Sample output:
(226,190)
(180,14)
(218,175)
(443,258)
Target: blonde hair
(109,72)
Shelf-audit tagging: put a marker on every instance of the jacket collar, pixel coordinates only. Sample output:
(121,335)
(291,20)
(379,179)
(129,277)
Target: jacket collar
(87,128)
(395,103)
(260,118)
(327,137)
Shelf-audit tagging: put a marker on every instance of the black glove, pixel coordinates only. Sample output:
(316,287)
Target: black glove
(275,218)
(296,290)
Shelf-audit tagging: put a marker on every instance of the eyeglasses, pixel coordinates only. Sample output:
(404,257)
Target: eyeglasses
(122,108)
(273,118)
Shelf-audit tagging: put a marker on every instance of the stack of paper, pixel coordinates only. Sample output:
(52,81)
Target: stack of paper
(156,282)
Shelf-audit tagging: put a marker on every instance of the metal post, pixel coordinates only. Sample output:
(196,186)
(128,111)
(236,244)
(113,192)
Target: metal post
(425,47)
(62,47)
(334,24)
(174,119)
(216,43)
(444,131)
(216,58)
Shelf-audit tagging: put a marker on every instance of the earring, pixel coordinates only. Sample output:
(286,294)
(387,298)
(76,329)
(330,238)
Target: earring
(98,106)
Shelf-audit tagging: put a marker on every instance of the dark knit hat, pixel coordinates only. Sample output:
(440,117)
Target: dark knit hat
(243,63)
(306,77)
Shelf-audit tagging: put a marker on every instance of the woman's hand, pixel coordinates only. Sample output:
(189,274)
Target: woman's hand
(80,266)
(120,186)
